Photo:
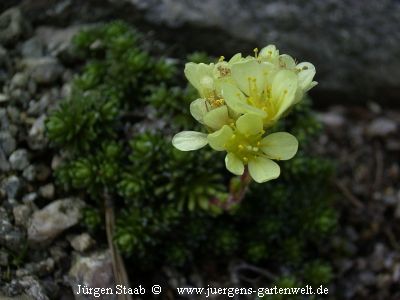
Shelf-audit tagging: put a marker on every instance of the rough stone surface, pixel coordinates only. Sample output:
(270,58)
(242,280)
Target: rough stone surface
(7,142)
(11,186)
(12,26)
(53,219)
(352,43)
(44,70)
(32,48)
(36,137)
(382,127)
(47,191)
(92,270)
(19,159)
(82,242)
(21,214)
(10,237)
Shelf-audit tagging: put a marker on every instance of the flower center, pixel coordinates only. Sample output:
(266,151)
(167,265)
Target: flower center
(243,146)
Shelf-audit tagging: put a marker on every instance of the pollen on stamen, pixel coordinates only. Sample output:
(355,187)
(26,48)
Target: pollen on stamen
(240,147)
(221,58)
(255,50)
(245,159)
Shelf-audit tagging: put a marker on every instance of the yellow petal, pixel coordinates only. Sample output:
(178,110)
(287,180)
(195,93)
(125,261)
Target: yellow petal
(236,58)
(234,164)
(306,75)
(286,62)
(284,87)
(245,73)
(189,140)
(236,101)
(200,76)
(217,117)
(269,52)
(262,169)
(249,124)
(218,139)
(280,145)
(198,108)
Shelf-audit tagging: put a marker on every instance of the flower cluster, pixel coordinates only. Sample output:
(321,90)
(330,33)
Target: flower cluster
(240,100)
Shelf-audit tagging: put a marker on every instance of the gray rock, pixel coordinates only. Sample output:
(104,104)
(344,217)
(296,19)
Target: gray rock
(4,120)
(94,270)
(4,98)
(19,80)
(348,61)
(4,164)
(19,297)
(19,159)
(29,173)
(4,60)
(13,114)
(382,127)
(331,119)
(47,223)
(10,237)
(29,198)
(37,139)
(22,214)
(57,40)
(12,26)
(33,288)
(82,242)
(7,142)
(47,191)
(41,268)
(56,162)
(11,185)
(36,108)
(32,48)
(3,259)
(44,70)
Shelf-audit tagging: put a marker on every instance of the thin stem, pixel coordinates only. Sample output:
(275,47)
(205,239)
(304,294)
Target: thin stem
(119,270)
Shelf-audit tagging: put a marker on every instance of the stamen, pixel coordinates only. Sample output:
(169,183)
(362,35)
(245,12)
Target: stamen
(255,52)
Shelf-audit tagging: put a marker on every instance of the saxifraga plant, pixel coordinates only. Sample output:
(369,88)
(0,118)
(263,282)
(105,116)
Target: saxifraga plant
(182,208)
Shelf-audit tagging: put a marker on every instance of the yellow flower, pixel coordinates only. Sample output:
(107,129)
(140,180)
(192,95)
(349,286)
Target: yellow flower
(245,145)
(261,90)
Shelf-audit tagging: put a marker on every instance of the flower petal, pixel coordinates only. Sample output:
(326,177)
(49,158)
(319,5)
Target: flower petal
(249,124)
(234,164)
(306,75)
(243,72)
(198,108)
(217,118)
(189,140)
(286,62)
(235,99)
(218,139)
(269,52)
(262,169)
(284,87)
(200,76)
(280,145)
(236,58)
